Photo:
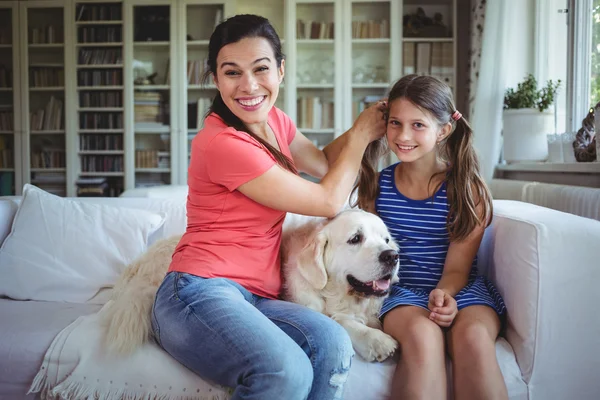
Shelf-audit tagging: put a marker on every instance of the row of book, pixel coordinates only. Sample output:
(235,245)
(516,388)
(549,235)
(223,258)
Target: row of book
(111,77)
(100,186)
(371,29)
(99,34)
(152,159)
(48,158)
(104,120)
(196,70)
(5,77)
(99,12)
(6,158)
(99,56)
(315,113)
(100,142)
(430,58)
(101,163)
(314,29)
(6,118)
(46,77)
(100,99)
(46,35)
(49,118)
(147,107)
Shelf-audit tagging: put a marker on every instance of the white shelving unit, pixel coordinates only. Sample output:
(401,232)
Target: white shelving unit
(197,19)
(314,68)
(151,92)
(44,50)
(99,95)
(135,133)
(372,56)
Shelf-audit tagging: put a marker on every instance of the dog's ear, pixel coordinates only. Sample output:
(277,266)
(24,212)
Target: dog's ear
(311,261)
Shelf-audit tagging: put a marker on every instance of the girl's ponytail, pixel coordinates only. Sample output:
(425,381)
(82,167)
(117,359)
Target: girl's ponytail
(466,189)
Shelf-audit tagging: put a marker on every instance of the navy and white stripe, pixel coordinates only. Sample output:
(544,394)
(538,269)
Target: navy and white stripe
(419,228)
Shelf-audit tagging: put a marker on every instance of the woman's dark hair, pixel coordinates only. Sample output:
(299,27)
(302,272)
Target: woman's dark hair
(466,189)
(233,30)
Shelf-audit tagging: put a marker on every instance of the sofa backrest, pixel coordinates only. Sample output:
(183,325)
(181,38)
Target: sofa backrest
(578,200)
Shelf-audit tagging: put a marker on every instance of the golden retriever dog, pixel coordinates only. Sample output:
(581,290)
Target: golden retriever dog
(344,268)
(341,267)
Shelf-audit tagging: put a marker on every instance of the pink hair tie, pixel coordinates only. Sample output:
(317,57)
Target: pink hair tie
(456,115)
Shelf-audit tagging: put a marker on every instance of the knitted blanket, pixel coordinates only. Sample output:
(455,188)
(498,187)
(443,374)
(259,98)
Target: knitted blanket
(76,366)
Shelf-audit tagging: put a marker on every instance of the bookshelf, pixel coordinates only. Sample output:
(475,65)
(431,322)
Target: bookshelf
(314,66)
(9,100)
(94,99)
(98,57)
(197,20)
(151,92)
(43,55)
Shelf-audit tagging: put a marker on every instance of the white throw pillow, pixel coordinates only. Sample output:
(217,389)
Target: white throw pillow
(62,249)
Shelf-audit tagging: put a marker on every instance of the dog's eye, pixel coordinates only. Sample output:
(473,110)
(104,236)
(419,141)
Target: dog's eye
(387,240)
(356,239)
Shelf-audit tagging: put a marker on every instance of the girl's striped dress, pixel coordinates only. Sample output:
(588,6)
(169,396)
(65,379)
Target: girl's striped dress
(419,228)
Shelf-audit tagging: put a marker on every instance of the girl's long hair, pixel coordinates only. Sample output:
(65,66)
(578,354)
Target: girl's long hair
(466,189)
(233,30)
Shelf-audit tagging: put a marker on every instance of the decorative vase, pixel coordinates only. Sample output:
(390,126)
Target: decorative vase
(525,133)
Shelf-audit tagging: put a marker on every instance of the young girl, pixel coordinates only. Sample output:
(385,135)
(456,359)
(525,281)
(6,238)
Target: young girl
(436,205)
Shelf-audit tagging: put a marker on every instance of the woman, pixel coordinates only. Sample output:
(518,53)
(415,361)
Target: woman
(217,310)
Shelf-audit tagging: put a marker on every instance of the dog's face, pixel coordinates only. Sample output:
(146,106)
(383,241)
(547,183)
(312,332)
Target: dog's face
(354,250)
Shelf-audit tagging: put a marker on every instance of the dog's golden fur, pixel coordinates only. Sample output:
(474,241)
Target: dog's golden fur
(316,261)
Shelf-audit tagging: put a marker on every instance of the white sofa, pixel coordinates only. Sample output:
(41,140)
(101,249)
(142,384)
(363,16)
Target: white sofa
(544,262)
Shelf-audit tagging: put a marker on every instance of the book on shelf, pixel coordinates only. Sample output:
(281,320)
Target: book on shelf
(48,118)
(314,29)
(6,117)
(91,187)
(371,29)
(6,153)
(315,113)
(99,12)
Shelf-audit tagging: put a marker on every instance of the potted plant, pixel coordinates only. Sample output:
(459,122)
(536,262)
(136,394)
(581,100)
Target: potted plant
(527,120)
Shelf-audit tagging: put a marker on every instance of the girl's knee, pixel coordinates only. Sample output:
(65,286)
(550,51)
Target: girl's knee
(470,338)
(421,339)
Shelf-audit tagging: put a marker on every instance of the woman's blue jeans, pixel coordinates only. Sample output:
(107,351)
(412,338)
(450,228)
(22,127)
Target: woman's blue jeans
(262,348)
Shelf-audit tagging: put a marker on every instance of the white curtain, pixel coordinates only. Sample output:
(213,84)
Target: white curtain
(488,97)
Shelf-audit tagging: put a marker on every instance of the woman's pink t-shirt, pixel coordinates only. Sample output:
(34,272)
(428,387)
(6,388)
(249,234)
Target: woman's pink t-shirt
(229,235)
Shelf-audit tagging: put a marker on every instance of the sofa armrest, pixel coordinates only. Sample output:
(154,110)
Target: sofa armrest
(545,265)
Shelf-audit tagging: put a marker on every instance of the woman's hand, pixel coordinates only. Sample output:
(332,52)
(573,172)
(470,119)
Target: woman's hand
(371,122)
(443,308)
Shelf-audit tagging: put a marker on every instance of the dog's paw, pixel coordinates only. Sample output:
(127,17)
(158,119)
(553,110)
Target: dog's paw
(378,346)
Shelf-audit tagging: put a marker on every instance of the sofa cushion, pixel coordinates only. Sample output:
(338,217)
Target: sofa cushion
(66,250)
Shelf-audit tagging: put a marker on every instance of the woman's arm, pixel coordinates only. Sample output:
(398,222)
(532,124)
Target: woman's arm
(280,189)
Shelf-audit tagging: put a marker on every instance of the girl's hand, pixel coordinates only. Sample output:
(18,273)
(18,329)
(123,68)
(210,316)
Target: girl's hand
(443,308)
(371,122)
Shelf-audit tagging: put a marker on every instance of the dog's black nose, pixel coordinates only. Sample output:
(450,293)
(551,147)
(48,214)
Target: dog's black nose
(389,257)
